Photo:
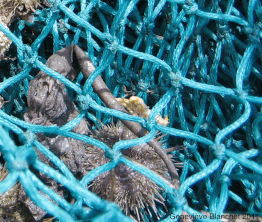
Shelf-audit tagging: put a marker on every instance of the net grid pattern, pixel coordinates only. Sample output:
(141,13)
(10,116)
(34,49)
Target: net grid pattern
(200,64)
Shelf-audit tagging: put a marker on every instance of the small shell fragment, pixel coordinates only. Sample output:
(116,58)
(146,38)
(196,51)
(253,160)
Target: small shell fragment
(2,101)
(137,107)
(5,42)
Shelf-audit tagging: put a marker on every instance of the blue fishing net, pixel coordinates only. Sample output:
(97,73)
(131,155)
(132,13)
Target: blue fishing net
(199,62)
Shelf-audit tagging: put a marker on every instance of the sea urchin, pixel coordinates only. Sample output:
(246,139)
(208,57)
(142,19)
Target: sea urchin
(136,194)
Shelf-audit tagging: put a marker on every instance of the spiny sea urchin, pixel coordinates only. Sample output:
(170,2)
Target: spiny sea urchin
(133,192)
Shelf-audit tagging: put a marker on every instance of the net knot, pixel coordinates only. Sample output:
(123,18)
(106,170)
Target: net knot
(143,85)
(122,78)
(254,30)
(172,32)
(147,27)
(150,124)
(204,126)
(113,155)
(61,26)
(191,148)
(190,7)
(84,101)
(112,44)
(252,195)
(22,159)
(222,31)
(176,200)
(219,151)
(30,56)
(254,33)
(175,79)
(240,93)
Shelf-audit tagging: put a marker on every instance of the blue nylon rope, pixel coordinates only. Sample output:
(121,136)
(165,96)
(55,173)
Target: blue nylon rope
(197,61)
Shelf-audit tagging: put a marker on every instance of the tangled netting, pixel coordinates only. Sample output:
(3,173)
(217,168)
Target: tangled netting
(197,62)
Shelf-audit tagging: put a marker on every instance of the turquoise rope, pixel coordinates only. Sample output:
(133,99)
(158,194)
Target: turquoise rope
(197,61)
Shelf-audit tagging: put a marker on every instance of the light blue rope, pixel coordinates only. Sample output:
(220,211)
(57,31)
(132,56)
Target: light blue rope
(201,61)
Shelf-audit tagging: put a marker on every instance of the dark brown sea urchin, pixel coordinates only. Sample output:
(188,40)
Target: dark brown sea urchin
(133,192)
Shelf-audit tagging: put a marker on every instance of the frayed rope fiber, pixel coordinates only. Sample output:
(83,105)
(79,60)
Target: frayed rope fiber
(196,62)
